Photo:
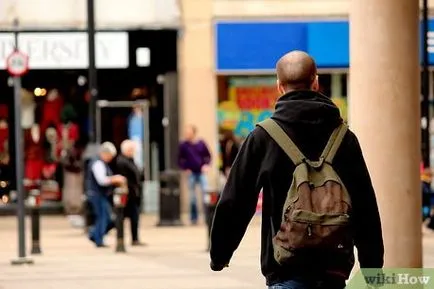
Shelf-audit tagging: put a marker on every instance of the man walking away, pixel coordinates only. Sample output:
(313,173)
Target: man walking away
(99,183)
(126,167)
(312,172)
(194,159)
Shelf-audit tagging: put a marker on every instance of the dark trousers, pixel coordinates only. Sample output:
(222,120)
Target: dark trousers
(132,211)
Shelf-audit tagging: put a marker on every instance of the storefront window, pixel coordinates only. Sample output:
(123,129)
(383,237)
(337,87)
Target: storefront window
(245,102)
(338,92)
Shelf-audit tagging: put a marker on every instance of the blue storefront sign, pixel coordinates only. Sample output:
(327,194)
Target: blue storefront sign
(256,46)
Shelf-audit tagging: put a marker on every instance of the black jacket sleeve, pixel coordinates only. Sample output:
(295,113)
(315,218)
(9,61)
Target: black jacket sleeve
(368,236)
(234,153)
(238,202)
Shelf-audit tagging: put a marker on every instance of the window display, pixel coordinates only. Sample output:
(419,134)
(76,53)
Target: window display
(51,110)
(4,138)
(50,134)
(248,101)
(28,106)
(33,153)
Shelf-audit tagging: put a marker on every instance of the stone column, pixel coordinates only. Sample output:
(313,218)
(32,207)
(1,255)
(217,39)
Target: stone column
(198,92)
(385,115)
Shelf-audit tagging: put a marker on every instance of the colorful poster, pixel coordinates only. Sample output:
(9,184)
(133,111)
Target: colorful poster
(250,100)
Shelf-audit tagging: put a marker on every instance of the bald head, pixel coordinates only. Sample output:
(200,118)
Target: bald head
(128,148)
(296,70)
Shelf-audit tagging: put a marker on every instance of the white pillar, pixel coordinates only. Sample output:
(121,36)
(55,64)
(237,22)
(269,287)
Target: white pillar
(198,89)
(385,114)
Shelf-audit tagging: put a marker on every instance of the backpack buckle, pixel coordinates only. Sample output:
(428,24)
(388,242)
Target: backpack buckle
(315,164)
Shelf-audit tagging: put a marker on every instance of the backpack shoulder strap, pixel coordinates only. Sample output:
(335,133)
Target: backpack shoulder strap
(283,140)
(334,143)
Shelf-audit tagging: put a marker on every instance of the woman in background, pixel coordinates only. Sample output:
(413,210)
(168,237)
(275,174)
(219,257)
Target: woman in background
(229,147)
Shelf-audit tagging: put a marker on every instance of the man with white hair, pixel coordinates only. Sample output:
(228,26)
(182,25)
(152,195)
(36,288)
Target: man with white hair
(99,183)
(126,167)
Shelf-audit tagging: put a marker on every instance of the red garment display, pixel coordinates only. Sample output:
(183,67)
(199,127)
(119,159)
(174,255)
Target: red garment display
(51,111)
(49,171)
(72,136)
(50,189)
(4,136)
(33,169)
(4,111)
(73,131)
(33,156)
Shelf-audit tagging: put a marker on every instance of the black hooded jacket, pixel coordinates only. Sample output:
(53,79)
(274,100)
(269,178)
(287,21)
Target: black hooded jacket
(309,119)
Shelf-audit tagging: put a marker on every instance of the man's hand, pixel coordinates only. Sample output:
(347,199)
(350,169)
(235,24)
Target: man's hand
(118,180)
(205,169)
(217,267)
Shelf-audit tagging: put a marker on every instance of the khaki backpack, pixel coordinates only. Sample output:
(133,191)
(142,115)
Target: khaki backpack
(316,213)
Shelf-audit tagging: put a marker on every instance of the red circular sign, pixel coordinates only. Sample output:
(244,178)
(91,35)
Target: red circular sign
(17,63)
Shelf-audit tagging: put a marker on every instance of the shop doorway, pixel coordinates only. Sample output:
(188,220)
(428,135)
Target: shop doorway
(139,109)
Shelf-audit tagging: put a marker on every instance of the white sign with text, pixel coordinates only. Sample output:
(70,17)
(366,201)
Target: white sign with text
(68,50)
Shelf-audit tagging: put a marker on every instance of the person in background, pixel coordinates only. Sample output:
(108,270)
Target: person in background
(427,199)
(136,134)
(426,192)
(229,147)
(126,167)
(99,183)
(194,158)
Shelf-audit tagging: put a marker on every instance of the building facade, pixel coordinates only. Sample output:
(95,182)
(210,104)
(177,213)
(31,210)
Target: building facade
(71,14)
(229,49)
(384,58)
(226,50)
(135,57)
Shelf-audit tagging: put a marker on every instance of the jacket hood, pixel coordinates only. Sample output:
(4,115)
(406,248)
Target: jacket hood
(307,108)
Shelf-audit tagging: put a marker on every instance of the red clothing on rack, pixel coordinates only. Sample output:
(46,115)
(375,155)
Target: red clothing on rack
(33,156)
(72,136)
(4,111)
(73,131)
(51,111)
(4,136)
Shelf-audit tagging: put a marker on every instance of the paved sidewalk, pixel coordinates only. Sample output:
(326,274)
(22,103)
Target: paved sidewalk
(175,258)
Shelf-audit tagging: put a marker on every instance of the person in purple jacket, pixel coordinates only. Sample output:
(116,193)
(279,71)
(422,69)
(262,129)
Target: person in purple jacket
(194,158)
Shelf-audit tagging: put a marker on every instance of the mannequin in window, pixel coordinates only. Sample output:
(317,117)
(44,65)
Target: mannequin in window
(51,174)
(51,109)
(51,143)
(68,132)
(135,133)
(33,153)
(28,106)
